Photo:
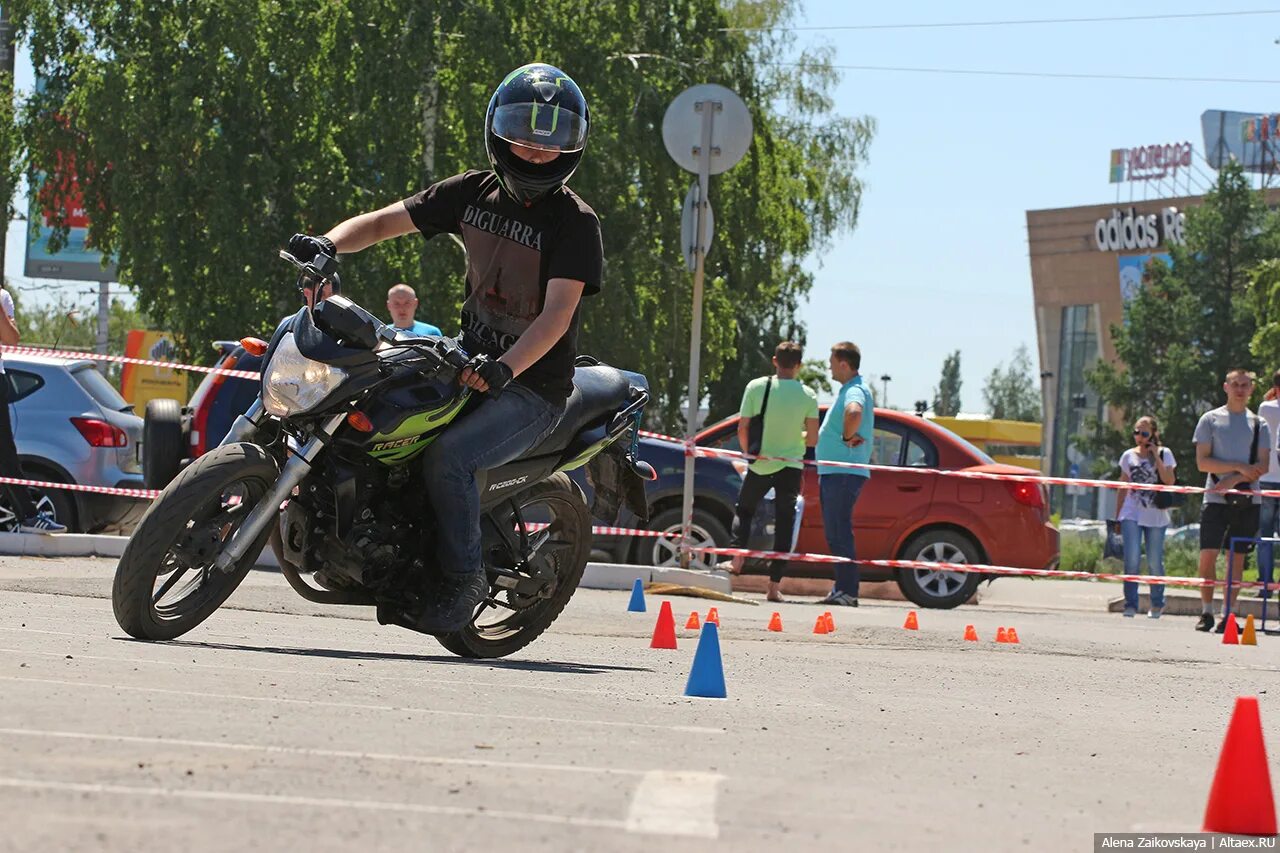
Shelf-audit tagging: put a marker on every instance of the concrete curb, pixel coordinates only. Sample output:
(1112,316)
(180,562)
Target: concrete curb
(596,575)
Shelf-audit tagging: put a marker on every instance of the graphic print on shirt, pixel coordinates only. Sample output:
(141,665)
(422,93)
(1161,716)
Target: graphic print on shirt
(1144,472)
(503,264)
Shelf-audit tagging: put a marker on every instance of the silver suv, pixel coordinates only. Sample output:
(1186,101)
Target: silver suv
(72,426)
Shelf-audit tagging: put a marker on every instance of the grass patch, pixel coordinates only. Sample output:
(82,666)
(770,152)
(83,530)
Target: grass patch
(1084,554)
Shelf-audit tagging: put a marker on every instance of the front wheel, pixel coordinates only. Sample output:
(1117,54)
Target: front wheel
(165,583)
(556,510)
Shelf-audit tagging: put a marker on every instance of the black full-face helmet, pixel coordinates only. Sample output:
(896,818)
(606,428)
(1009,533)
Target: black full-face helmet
(540,107)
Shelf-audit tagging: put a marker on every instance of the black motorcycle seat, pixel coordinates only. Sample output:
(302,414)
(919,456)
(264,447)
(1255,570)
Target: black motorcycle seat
(598,391)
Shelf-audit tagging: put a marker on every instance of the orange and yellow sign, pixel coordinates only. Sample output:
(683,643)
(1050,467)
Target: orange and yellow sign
(141,383)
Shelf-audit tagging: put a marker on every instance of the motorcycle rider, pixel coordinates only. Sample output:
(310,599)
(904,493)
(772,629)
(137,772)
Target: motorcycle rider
(533,250)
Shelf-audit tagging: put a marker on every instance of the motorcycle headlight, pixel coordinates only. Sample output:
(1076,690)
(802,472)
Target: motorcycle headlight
(294,383)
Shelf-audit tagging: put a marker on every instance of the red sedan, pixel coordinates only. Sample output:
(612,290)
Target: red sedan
(908,514)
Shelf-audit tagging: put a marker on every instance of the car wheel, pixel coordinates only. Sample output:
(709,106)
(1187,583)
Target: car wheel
(664,551)
(938,589)
(161,442)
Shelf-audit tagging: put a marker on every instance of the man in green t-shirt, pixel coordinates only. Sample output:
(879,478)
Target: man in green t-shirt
(789,411)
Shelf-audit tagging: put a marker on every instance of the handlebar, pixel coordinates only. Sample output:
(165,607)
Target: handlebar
(317,272)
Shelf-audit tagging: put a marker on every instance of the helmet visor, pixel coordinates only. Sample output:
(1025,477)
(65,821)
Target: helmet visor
(548,127)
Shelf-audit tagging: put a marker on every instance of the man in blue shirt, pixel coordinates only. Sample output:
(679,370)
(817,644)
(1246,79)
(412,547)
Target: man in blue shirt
(846,435)
(401,303)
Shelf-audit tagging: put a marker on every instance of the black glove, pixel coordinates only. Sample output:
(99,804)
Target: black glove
(496,374)
(305,247)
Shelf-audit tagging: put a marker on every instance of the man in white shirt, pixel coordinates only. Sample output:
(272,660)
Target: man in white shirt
(24,509)
(1269,411)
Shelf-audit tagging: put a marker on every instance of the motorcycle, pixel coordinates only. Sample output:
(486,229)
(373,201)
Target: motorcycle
(323,466)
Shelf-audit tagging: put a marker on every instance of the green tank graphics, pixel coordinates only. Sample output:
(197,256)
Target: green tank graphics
(415,434)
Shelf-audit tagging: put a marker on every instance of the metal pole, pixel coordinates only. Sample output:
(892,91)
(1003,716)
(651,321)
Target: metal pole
(708,110)
(104,313)
(6,91)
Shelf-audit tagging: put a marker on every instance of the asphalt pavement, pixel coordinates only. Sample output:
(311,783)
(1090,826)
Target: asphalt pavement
(282,725)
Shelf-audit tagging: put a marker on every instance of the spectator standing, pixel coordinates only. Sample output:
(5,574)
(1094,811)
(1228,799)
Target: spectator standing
(788,414)
(1269,411)
(1233,447)
(1140,519)
(402,303)
(24,509)
(847,435)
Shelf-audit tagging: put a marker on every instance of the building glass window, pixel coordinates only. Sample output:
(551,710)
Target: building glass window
(1077,401)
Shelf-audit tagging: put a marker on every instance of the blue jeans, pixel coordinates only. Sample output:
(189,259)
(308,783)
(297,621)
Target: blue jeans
(1267,527)
(497,432)
(1133,534)
(839,493)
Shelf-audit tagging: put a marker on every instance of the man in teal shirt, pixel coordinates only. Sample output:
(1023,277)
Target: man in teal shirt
(847,435)
(402,303)
(789,414)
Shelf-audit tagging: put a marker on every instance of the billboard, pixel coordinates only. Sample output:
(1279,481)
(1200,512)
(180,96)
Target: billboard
(140,383)
(1248,138)
(75,260)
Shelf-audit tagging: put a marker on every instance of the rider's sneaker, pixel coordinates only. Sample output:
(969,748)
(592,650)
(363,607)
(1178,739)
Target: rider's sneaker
(454,603)
(41,522)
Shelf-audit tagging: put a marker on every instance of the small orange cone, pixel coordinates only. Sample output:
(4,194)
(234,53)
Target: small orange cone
(831,622)
(970,634)
(1231,634)
(664,633)
(1001,636)
(693,623)
(1011,636)
(820,627)
(912,624)
(1250,635)
(713,615)
(1240,801)
(775,623)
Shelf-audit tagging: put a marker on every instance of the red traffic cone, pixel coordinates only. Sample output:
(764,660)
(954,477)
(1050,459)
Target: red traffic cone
(664,633)
(775,623)
(1240,801)
(831,622)
(1011,636)
(912,624)
(1001,636)
(713,615)
(820,627)
(693,623)
(1231,634)
(970,634)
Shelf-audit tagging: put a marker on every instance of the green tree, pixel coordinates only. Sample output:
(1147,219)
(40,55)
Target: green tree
(815,374)
(1194,320)
(1011,393)
(69,325)
(946,397)
(205,133)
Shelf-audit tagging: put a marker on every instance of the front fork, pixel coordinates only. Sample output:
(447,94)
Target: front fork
(267,509)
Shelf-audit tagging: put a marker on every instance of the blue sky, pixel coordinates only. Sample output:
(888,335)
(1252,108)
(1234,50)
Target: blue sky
(939,259)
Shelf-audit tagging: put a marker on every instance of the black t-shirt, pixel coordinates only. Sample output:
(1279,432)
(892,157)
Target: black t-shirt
(512,252)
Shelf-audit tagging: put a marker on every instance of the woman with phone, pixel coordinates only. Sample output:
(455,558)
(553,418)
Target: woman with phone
(1140,519)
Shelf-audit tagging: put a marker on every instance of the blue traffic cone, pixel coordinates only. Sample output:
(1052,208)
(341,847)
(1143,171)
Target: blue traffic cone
(637,597)
(706,678)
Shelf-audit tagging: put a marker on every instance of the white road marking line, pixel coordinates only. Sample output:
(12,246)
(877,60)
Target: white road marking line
(702,730)
(675,803)
(316,802)
(319,753)
(363,675)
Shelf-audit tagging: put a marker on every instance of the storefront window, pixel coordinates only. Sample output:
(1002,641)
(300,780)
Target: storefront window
(1076,402)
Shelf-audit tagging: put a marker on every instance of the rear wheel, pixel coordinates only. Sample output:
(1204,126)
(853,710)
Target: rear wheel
(161,442)
(165,583)
(939,589)
(560,542)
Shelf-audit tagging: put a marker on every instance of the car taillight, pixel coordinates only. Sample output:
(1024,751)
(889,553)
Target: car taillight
(100,433)
(1028,494)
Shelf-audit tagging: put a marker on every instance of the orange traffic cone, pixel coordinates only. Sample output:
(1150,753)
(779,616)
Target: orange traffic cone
(693,623)
(713,615)
(912,624)
(1011,636)
(1001,636)
(775,623)
(820,627)
(1240,801)
(664,633)
(970,634)
(1231,634)
(831,622)
(1250,635)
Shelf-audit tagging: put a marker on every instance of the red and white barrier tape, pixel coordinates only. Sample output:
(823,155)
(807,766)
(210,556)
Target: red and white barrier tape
(713,452)
(148,494)
(146,362)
